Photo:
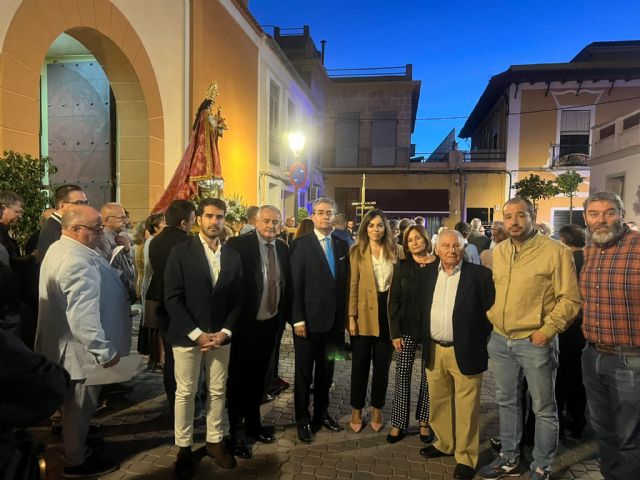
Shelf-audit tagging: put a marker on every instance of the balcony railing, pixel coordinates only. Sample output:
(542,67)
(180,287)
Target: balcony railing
(569,155)
(489,155)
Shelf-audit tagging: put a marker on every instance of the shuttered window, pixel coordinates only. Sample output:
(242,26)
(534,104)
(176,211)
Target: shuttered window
(347,139)
(384,139)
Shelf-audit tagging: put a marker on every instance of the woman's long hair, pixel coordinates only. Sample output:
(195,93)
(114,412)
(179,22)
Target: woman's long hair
(423,233)
(362,238)
(305,227)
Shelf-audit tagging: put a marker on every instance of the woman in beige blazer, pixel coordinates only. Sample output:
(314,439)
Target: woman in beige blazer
(372,259)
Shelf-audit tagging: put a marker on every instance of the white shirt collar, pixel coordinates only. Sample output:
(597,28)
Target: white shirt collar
(321,236)
(456,269)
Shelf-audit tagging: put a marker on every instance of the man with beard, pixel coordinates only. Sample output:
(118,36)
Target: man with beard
(610,287)
(536,298)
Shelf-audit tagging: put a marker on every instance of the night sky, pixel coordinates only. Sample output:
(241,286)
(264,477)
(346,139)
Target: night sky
(455,46)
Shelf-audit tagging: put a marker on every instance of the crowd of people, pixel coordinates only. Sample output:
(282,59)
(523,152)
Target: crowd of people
(546,316)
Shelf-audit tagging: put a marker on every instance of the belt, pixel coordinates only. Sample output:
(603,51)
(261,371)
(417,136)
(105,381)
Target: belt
(620,350)
(443,344)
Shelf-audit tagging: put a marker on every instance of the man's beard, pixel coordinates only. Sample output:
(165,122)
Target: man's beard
(615,232)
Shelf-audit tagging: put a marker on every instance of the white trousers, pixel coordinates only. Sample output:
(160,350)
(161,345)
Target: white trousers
(188,362)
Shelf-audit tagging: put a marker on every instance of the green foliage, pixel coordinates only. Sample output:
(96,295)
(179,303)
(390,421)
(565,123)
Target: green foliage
(535,189)
(302,214)
(568,184)
(24,174)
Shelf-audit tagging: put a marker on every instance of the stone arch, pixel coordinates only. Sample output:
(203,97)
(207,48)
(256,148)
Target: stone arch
(109,36)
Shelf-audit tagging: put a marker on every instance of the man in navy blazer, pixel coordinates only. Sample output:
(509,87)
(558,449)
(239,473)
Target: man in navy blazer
(455,298)
(267,291)
(203,296)
(319,269)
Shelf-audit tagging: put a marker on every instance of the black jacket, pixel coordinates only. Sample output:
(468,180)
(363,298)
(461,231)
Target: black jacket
(471,327)
(405,317)
(248,247)
(190,297)
(159,249)
(319,300)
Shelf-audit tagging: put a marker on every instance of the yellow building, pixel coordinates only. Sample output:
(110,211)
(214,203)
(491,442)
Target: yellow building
(109,88)
(543,116)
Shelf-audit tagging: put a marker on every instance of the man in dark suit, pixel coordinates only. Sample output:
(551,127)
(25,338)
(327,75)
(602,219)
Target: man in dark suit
(203,296)
(319,269)
(63,197)
(267,292)
(180,217)
(456,296)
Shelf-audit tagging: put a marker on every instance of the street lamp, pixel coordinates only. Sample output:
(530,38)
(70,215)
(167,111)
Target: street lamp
(297,171)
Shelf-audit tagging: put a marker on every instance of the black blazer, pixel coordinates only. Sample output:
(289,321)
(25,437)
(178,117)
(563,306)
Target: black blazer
(248,247)
(159,249)
(471,327)
(319,300)
(190,297)
(405,316)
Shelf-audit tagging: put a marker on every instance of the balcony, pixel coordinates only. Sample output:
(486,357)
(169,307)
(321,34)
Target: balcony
(484,156)
(616,136)
(564,156)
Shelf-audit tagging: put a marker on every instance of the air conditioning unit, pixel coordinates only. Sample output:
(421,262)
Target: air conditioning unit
(313,194)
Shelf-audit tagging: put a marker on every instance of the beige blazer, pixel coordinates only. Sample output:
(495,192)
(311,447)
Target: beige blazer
(363,294)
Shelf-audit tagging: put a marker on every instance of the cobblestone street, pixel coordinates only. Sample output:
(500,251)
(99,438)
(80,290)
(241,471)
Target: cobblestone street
(141,439)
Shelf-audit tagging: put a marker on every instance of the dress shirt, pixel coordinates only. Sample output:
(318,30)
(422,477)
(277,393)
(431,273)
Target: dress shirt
(382,272)
(213,260)
(263,312)
(444,299)
(610,288)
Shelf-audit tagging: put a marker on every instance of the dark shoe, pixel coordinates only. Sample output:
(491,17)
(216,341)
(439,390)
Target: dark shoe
(305,435)
(242,451)
(428,438)
(92,467)
(266,398)
(501,467)
(432,452)
(280,383)
(95,437)
(185,466)
(328,423)
(221,458)
(464,472)
(396,438)
(263,436)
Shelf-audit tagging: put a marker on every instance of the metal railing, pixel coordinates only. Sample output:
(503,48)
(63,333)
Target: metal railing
(569,155)
(489,155)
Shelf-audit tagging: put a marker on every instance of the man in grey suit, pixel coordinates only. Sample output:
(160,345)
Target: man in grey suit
(83,323)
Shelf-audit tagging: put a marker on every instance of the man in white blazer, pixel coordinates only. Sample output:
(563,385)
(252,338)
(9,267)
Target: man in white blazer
(83,322)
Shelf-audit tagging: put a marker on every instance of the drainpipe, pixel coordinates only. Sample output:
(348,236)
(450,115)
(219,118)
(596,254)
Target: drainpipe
(186,104)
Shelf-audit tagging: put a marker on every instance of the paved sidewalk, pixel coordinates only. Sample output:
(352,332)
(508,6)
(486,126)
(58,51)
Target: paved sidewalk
(142,441)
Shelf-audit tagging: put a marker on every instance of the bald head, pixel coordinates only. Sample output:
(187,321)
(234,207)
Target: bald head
(82,223)
(114,217)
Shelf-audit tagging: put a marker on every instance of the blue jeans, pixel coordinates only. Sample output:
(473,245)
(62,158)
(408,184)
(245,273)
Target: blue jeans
(612,383)
(511,361)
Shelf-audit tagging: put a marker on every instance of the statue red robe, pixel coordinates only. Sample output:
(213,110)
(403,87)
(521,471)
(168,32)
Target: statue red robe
(201,161)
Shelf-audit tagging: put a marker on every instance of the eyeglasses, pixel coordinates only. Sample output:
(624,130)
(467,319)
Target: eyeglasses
(78,202)
(94,229)
(119,217)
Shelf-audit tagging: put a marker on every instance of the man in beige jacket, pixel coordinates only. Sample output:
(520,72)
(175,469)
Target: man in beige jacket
(537,297)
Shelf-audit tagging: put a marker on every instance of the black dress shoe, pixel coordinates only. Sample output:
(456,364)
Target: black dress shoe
(266,398)
(263,436)
(305,434)
(185,467)
(242,451)
(396,438)
(463,472)
(428,438)
(329,423)
(432,452)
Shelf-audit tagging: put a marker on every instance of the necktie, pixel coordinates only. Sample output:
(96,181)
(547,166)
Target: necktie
(328,251)
(272,286)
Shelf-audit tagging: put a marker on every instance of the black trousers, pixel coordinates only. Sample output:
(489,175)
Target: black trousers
(168,376)
(366,350)
(317,349)
(570,393)
(251,351)
(272,372)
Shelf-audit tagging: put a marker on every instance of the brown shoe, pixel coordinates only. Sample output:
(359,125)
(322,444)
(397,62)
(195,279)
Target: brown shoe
(222,458)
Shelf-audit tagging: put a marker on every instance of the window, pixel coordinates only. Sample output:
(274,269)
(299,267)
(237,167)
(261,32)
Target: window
(574,132)
(347,139)
(615,184)
(384,139)
(561,218)
(607,131)
(274,124)
(631,121)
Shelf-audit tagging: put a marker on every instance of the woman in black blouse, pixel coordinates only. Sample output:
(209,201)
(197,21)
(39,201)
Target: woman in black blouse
(406,334)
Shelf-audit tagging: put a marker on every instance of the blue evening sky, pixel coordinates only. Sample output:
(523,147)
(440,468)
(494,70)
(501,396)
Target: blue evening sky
(455,46)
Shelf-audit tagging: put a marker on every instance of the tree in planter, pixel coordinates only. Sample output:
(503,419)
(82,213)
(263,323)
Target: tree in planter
(535,189)
(23,174)
(302,214)
(568,184)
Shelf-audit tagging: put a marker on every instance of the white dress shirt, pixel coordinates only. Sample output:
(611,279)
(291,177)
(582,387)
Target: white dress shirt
(444,299)
(263,312)
(382,271)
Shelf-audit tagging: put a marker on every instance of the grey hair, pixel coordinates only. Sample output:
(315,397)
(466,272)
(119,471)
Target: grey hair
(605,197)
(327,200)
(8,198)
(273,208)
(453,232)
(476,223)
